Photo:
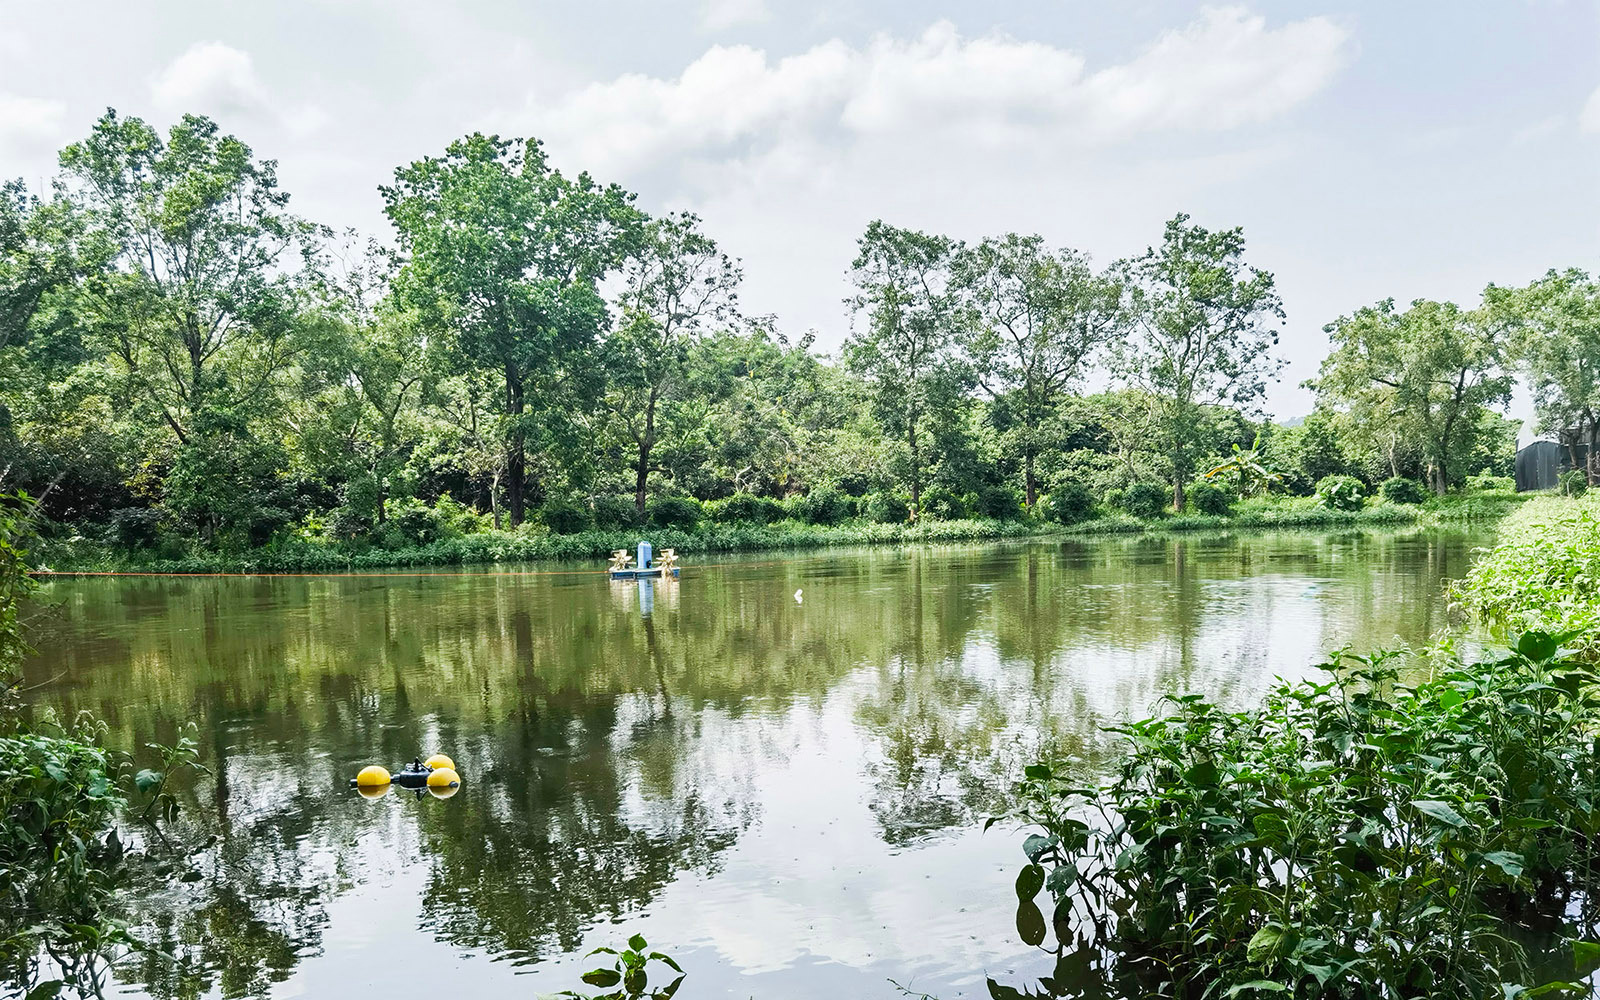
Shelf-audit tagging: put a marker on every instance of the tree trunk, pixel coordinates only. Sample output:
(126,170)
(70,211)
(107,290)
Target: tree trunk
(647,443)
(516,455)
(1029,481)
(916,467)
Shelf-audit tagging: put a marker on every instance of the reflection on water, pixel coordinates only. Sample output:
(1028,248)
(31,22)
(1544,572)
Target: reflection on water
(785,795)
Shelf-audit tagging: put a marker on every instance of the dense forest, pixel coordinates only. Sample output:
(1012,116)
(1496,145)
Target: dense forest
(186,364)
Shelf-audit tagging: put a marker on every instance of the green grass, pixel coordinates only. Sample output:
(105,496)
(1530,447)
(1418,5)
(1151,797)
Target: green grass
(1307,512)
(1544,573)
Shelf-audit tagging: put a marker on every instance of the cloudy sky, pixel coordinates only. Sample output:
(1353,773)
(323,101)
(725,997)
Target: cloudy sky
(1369,148)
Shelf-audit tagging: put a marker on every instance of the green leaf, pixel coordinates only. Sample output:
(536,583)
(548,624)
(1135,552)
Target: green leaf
(1537,645)
(1259,986)
(1030,924)
(638,943)
(1036,845)
(1506,861)
(998,991)
(147,779)
(1037,772)
(1585,957)
(666,960)
(602,977)
(1441,811)
(1264,944)
(1029,881)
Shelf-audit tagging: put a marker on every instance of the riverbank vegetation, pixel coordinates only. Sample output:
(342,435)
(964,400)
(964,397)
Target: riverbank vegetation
(1407,825)
(191,373)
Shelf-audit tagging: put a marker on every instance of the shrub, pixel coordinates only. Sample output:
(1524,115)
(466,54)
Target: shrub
(1356,838)
(564,517)
(745,508)
(1341,493)
(1145,499)
(828,505)
(614,512)
(1573,483)
(796,507)
(1399,489)
(1115,498)
(998,503)
(457,519)
(1068,503)
(1209,497)
(411,522)
(940,504)
(674,512)
(1483,482)
(885,508)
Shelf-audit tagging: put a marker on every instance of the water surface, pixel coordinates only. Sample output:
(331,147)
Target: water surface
(784,793)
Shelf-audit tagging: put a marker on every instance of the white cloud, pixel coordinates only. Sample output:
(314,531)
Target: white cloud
(719,15)
(1225,70)
(29,124)
(217,79)
(1589,118)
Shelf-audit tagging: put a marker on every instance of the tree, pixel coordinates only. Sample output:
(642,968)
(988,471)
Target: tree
(506,254)
(200,298)
(1038,316)
(1427,370)
(904,291)
(1200,328)
(1558,348)
(677,283)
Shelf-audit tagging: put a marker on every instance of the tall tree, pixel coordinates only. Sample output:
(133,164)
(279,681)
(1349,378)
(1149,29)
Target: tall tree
(1428,369)
(199,303)
(1558,348)
(677,283)
(1038,315)
(1201,326)
(911,309)
(506,253)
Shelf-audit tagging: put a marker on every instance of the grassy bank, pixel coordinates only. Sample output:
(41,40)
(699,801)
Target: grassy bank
(1543,574)
(295,555)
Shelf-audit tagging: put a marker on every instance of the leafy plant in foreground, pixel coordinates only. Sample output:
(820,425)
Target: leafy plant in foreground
(1355,838)
(629,974)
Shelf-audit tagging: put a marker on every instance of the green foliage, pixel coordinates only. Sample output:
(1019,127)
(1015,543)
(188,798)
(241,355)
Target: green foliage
(564,517)
(1544,573)
(613,512)
(1573,483)
(630,974)
(1350,838)
(1145,499)
(885,508)
(745,508)
(827,504)
(1342,493)
(1068,503)
(1207,497)
(998,503)
(675,512)
(940,503)
(1399,489)
(1486,483)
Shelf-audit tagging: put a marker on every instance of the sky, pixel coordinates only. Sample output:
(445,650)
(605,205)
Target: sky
(1369,149)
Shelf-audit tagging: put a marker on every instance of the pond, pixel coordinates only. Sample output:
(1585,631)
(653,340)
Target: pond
(775,768)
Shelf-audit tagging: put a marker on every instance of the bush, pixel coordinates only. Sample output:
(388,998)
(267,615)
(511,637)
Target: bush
(1341,493)
(940,504)
(1399,489)
(1573,483)
(1483,482)
(564,517)
(745,508)
(1210,498)
(1115,498)
(1145,499)
(411,522)
(998,503)
(1356,838)
(829,505)
(885,508)
(674,512)
(1068,503)
(614,512)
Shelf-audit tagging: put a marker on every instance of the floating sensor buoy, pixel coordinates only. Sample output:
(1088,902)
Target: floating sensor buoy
(437,774)
(799,596)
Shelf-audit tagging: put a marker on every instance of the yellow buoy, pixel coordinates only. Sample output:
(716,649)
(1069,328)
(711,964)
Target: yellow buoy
(372,777)
(445,792)
(372,791)
(444,777)
(439,760)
